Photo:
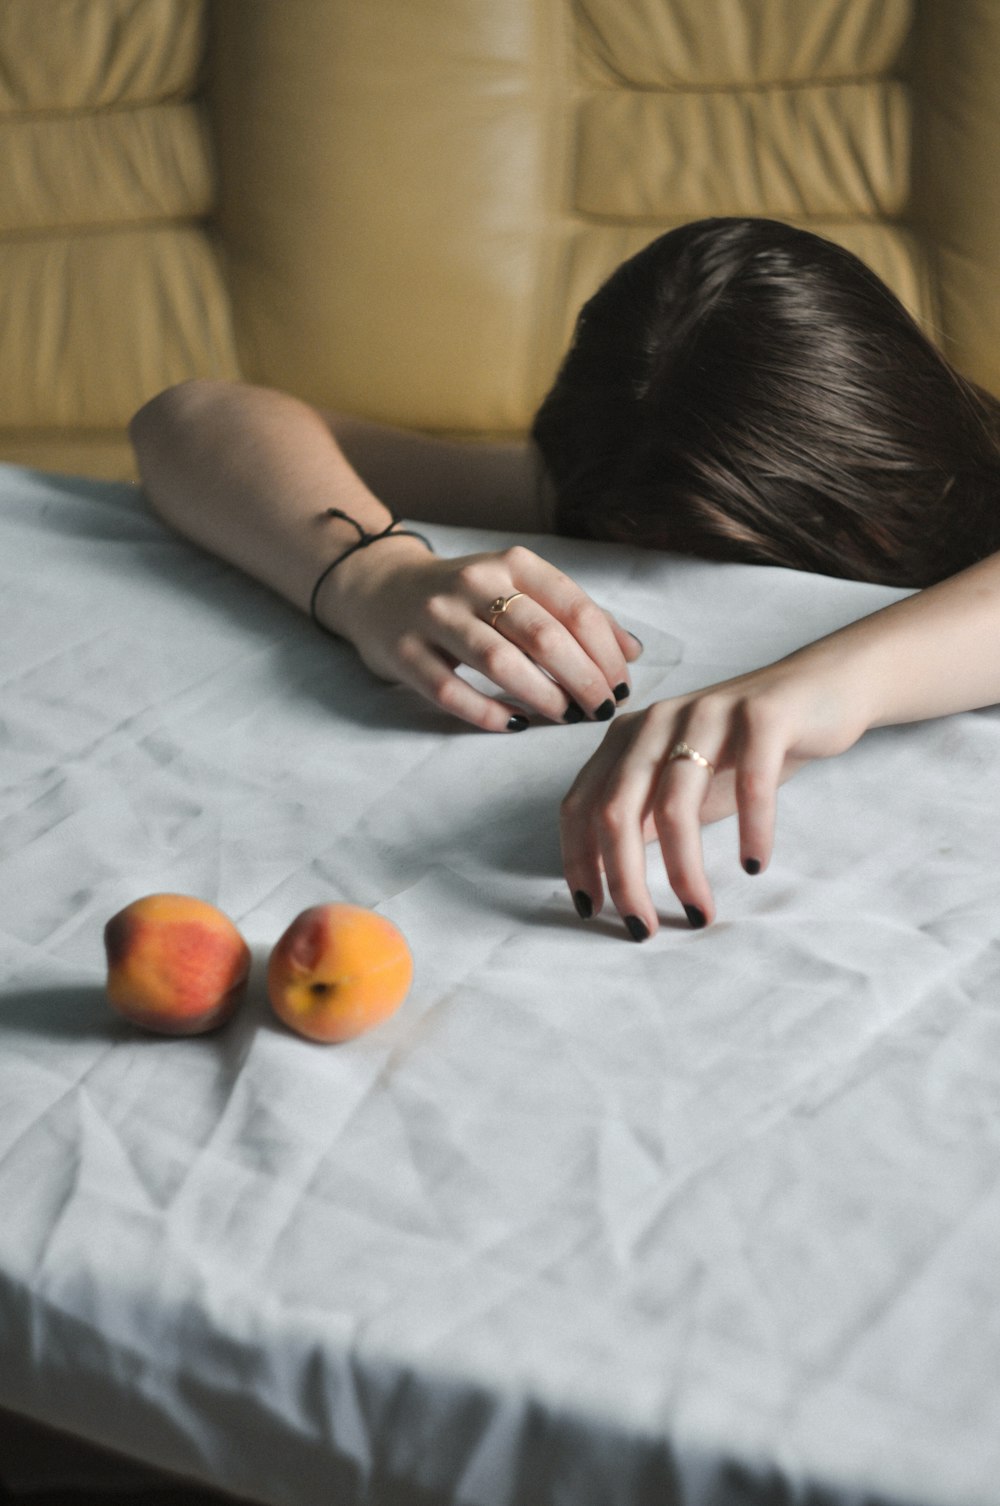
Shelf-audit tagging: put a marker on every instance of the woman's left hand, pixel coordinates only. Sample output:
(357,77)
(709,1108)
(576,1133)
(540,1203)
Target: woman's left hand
(750,734)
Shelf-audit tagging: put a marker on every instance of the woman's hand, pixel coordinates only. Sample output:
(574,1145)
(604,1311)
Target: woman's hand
(750,734)
(260,478)
(414,618)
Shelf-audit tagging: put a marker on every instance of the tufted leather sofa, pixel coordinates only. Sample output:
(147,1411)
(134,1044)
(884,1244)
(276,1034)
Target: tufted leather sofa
(396,206)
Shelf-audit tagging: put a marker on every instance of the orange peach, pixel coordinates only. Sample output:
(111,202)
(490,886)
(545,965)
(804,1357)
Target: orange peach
(176,965)
(337,971)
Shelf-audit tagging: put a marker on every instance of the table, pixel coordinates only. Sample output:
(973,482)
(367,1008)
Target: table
(713,1219)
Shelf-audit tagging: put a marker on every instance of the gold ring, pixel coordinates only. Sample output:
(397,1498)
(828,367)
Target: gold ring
(500,605)
(681,750)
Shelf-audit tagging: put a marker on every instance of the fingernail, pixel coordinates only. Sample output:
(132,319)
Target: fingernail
(637,929)
(696,917)
(584,904)
(573,713)
(636,637)
(622,692)
(752,865)
(605,711)
(517,724)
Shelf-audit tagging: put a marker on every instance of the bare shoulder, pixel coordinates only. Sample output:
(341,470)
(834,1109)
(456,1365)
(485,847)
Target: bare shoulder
(479,484)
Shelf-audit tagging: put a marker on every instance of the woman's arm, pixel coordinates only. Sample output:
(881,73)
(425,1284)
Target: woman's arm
(931,654)
(248,473)
(498,484)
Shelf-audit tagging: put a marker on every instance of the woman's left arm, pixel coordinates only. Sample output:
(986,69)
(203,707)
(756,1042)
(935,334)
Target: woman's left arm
(931,654)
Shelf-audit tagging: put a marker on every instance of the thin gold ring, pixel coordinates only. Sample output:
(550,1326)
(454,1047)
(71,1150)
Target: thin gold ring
(682,750)
(500,605)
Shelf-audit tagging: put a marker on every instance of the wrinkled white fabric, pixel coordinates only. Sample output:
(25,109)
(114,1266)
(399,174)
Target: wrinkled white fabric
(586,1222)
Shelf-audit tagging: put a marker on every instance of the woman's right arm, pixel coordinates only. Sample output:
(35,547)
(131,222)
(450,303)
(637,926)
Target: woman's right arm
(249,473)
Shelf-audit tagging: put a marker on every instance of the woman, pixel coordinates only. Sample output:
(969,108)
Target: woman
(738,390)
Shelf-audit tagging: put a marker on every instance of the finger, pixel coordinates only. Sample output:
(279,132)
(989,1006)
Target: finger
(432,676)
(630,645)
(581,853)
(619,821)
(682,789)
(453,625)
(550,645)
(759,765)
(490,653)
(581,848)
(586,622)
(553,648)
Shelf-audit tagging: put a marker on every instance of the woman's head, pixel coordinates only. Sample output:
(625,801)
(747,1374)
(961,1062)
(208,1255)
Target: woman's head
(743,390)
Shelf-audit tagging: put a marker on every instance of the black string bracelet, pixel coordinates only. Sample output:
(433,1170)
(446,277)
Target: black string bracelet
(363,540)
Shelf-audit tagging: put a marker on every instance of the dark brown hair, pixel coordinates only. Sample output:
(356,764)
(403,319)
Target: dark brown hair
(743,390)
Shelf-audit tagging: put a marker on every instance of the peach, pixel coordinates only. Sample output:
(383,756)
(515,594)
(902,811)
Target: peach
(338,970)
(176,965)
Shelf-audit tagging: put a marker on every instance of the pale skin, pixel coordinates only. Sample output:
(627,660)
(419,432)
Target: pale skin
(932,654)
(247,473)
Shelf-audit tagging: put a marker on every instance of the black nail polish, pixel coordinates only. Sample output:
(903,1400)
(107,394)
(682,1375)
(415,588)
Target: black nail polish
(637,929)
(622,692)
(573,713)
(696,917)
(751,865)
(605,711)
(517,724)
(584,904)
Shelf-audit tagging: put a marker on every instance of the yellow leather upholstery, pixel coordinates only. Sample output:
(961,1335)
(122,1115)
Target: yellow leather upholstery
(397,206)
(110,285)
(956,174)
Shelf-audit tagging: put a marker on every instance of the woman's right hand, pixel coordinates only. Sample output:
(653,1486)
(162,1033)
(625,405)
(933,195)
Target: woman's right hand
(414,618)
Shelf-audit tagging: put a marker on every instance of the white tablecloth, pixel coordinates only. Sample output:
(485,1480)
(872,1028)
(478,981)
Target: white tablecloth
(587,1222)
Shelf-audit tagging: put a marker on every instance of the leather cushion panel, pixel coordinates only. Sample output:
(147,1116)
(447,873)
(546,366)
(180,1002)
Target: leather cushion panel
(151,162)
(738,43)
(89,54)
(833,151)
(93,325)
